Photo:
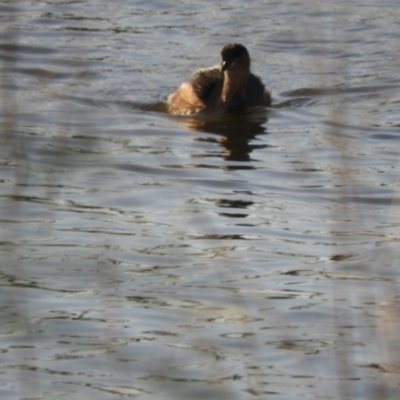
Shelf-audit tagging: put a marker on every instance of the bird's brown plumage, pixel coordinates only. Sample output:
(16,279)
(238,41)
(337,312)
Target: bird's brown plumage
(229,87)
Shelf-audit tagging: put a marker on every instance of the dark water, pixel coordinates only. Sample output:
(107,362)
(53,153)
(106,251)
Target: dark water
(152,257)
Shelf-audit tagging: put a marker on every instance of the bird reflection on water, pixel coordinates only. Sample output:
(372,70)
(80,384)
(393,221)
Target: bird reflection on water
(236,131)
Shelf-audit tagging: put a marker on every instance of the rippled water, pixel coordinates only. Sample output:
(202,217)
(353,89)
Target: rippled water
(148,256)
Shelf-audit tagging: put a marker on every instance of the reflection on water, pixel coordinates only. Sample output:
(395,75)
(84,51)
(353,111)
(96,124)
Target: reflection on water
(149,256)
(235,132)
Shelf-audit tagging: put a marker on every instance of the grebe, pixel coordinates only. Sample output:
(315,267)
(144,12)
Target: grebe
(230,86)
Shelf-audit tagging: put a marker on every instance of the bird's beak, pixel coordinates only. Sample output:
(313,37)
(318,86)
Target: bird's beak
(224,66)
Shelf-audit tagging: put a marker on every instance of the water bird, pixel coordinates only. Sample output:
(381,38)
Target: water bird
(228,87)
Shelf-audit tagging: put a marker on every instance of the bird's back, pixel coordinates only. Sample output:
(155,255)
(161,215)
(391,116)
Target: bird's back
(207,84)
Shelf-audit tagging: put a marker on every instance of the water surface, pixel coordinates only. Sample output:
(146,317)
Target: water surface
(148,256)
